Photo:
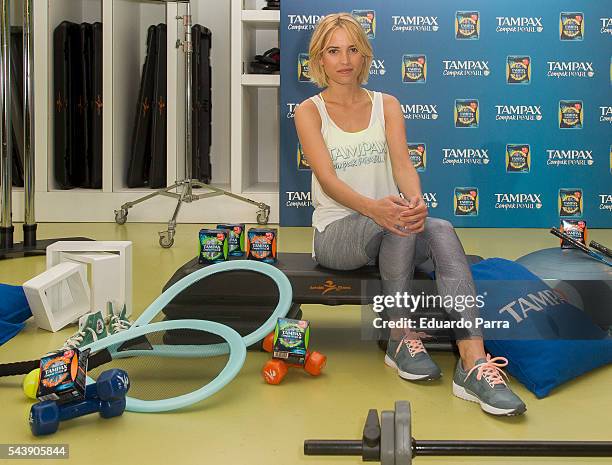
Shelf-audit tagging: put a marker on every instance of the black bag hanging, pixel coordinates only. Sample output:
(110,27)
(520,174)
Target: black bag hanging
(138,170)
(82,157)
(95,109)
(202,106)
(65,90)
(157,169)
(17,104)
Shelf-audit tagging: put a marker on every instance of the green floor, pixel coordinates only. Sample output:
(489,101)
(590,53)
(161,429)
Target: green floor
(252,423)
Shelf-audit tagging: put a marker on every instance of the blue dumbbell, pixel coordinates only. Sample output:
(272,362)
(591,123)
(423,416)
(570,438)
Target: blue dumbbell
(46,416)
(112,384)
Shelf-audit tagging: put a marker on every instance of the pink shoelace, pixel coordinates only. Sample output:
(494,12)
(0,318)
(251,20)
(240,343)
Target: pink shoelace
(415,346)
(491,370)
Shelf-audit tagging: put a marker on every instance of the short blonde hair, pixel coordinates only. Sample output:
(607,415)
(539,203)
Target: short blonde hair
(321,36)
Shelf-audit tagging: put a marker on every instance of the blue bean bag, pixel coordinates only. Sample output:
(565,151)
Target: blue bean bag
(14,310)
(547,341)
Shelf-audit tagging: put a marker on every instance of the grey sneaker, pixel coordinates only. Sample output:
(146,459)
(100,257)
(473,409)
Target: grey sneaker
(485,385)
(411,360)
(91,328)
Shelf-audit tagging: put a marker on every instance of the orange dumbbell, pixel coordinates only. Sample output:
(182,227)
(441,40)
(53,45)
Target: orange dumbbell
(275,370)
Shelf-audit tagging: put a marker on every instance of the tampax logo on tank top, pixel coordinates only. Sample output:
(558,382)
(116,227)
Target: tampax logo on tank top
(519,24)
(465,156)
(414,23)
(363,153)
(298,199)
(518,112)
(303,22)
(419,111)
(465,68)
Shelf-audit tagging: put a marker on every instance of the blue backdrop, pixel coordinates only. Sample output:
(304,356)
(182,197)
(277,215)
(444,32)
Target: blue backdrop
(508,105)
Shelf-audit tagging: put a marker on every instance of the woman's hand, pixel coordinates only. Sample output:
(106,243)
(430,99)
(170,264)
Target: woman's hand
(416,215)
(395,214)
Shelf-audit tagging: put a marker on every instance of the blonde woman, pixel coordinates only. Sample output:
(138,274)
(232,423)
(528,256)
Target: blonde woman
(369,207)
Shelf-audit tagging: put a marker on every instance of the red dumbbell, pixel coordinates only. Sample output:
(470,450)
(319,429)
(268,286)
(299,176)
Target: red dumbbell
(275,370)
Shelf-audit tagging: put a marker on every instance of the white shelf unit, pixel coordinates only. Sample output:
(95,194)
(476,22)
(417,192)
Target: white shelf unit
(254,103)
(125,24)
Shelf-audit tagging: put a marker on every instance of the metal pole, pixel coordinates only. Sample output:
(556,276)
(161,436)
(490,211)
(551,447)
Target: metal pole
(515,448)
(6,220)
(188,49)
(473,448)
(29,226)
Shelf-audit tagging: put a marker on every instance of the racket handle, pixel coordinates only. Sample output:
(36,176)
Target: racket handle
(18,368)
(601,248)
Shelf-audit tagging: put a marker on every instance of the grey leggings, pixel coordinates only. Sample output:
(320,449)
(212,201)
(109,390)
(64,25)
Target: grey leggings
(356,240)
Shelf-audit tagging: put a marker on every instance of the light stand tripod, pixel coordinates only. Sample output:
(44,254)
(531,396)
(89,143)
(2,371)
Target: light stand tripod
(184,188)
(30,245)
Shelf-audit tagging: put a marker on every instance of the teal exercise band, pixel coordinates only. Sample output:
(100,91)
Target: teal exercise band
(235,345)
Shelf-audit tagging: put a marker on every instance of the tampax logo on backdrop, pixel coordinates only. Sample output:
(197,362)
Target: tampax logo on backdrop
(418,155)
(518,201)
(291,107)
(606,25)
(303,67)
(298,199)
(431,199)
(302,163)
(465,68)
(560,157)
(570,114)
(571,26)
(518,70)
(605,202)
(570,202)
(518,158)
(466,113)
(419,111)
(465,156)
(414,23)
(570,69)
(517,24)
(606,114)
(303,22)
(367,19)
(518,112)
(465,201)
(377,68)
(414,69)
(467,25)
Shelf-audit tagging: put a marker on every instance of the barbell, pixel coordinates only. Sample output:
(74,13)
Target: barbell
(390,442)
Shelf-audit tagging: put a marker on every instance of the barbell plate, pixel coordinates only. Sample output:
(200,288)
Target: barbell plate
(403,433)
(387,437)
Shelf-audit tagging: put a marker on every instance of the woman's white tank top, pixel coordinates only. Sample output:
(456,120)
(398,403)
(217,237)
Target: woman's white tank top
(361,160)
